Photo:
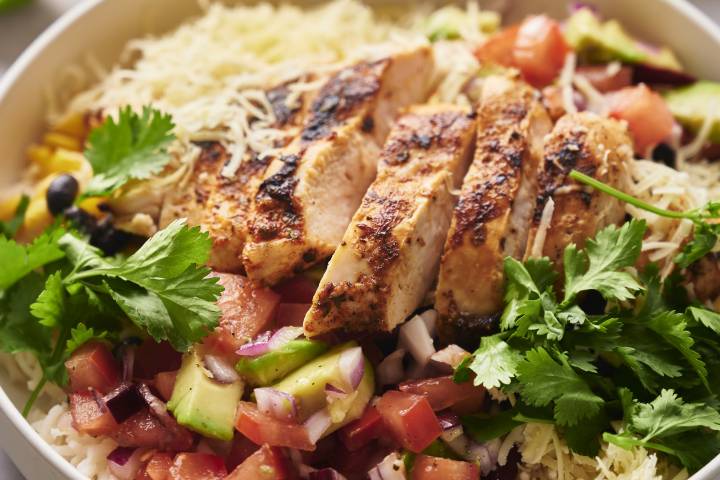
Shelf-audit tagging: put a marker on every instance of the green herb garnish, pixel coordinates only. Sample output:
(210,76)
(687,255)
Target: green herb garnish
(133,148)
(582,370)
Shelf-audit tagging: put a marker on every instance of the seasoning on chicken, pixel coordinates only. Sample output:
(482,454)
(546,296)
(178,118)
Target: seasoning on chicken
(221,205)
(492,217)
(565,211)
(311,191)
(389,254)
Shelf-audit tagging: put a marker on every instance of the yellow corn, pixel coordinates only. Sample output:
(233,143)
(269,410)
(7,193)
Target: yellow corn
(92,206)
(39,155)
(60,140)
(37,217)
(65,161)
(73,125)
(8,205)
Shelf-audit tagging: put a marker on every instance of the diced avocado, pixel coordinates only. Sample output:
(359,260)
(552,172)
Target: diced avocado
(307,385)
(272,366)
(599,42)
(693,104)
(200,403)
(448,23)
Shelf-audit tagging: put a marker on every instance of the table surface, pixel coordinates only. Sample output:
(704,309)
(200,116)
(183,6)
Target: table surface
(19,28)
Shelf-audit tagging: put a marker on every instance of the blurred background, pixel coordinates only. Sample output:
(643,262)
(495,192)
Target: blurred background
(22,20)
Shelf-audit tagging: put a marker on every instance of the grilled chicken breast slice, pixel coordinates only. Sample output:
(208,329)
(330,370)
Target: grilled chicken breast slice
(311,191)
(566,211)
(388,257)
(222,205)
(492,217)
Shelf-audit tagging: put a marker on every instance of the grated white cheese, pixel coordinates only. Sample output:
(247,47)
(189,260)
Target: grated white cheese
(565,82)
(545,219)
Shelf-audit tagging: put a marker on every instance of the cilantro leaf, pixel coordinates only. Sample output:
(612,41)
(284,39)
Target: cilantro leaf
(669,415)
(483,427)
(494,362)
(612,249)
(704,239)
(19,331)
(706,317)
(163,287)
(19,260)
(9,228)
(543,380)
(134,147)
(49,308)
(80,335)
(672,327)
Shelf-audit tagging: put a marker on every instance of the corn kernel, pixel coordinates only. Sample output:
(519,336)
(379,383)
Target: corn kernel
(92,206)
(65,161)
(73,125)
(8,205)
(40,155)
(60,140)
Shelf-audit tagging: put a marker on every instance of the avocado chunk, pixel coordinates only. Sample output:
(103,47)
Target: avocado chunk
(272,366)
(307,385)
(693,104)
(596,41)
(200,403)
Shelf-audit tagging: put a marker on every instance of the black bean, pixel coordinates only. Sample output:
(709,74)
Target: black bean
(107,238)
(82,220)
(61,193)
(663,153)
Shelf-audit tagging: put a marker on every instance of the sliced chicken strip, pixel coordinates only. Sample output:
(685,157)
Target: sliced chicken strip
(388,257)
(492,217)
(222,205)
(310,193)
(566,211)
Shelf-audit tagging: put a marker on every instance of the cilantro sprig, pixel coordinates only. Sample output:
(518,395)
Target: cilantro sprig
(132,148)
(706,233)
(59,292)
(582,370)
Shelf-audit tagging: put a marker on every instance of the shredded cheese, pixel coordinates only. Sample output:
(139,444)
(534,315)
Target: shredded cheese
(545,219)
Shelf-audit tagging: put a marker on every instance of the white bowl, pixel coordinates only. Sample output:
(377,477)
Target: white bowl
(102,28)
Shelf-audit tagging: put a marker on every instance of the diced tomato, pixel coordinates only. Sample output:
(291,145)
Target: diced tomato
(498,48)
(152,358)
(196,466)
(410,418)
(291,314)
(540,49)
(242,448)
(145,430)
(268,463)
(93,366)
(88,417)
(247,310)
(300,289)
(604,78)
(362,431)
(351,464)
(434,468)
(261,429)
(164,383)
(646,113)
(443,392)
(158,467)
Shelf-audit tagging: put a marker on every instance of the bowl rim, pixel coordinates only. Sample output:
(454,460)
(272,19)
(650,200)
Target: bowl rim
(75,14)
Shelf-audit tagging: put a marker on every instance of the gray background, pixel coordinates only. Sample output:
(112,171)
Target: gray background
(17,30)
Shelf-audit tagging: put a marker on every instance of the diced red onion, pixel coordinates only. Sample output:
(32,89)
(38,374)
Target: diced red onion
(334,393)
(283,336)
(414,337)
(448,419)
(390,371)
(276,403)
(576,6)
(391,468)
(656,75)
(352,367)
(325,474)
(430,319)
(448,358)
(318,424)
(124,401)
(128,363)
(125,462)
(484,454)
(222,371)
(259,346)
